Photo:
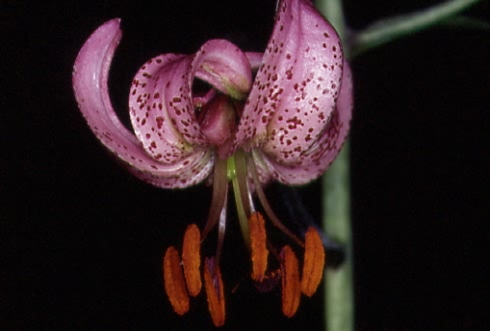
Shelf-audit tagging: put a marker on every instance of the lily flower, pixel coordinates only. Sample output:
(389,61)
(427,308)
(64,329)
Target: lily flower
(232,119)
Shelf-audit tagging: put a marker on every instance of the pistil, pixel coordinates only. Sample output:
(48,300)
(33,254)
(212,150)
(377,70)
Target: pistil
(237,173)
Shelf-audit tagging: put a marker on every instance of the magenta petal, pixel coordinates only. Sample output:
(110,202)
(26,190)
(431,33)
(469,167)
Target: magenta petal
(321,154)
(255,59)
(225,67)
(90,85)
(189,171)
(161,108)
(296,88)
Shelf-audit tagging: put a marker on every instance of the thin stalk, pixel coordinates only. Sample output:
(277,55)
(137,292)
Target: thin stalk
(267,207)
(220,189)
(236,166)
(338,289)
(339,298)
(339,295)
(389,29)
(221,230)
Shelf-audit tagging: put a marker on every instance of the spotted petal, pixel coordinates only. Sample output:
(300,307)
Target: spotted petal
(318,157)
(90,85)
(161,109)
(161,100)
(296,87)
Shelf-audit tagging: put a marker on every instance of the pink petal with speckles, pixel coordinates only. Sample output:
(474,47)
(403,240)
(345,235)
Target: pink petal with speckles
(161,108)
(225,67)
(318,157)
(90,85)
(296,87)
(161,101)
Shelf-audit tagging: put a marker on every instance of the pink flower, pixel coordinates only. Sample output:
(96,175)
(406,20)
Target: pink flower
(286,124)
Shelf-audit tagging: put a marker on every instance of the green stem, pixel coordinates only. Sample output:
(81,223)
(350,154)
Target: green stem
(389,29)
(338,295)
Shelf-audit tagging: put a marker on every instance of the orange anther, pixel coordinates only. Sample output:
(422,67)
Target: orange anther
(214,290)
(314,262)
(258,246)
(291,284)
(191,259)
(173,279)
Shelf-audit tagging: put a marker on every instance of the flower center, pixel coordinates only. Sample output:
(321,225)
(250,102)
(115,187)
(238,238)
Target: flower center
(239,170)
(218,120)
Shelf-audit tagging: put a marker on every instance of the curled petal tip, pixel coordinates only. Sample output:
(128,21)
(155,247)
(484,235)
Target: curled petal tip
(90,76)
(224,66)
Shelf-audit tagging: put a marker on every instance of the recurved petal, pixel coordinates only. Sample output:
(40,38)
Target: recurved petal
(189,171)
(297,85)
(313,162)
(225,67)
(90,74)
(161,109)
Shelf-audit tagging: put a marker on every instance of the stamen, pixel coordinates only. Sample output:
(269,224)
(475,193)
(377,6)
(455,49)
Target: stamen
(191,259)
(221,230)
(242,176)
(258,246)
(265,203)
(214,290)
(291,285)
(313,263)
(180,284)
(250,201)
(173,279)
(220,190)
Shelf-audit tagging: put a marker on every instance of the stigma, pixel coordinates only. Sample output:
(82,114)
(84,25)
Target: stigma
(271,265)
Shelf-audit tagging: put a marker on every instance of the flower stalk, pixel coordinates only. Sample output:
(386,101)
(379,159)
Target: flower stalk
(336,221)
(339,296)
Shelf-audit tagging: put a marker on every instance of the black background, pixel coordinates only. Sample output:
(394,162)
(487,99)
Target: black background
(81,240)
